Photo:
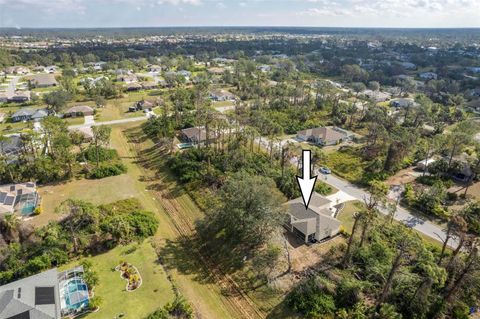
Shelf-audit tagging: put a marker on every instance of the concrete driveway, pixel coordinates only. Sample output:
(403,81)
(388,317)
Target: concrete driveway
(89,120)
(340,197)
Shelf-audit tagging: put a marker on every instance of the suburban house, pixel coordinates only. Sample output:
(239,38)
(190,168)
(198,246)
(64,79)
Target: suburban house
(428,76)
(141,106)
(79,110)
(324,135)
(402,102)
(22,198)
(377,96)
(216,70)
(133,86)
(424,164)
(29,115)
(86,131)
(154,68)
(222,95)
(42,80)
(47,295)
(149,85)
(185,74)
(196,135)
(11,146)
(17,70)
(20,97)
(127,78)
(315,223)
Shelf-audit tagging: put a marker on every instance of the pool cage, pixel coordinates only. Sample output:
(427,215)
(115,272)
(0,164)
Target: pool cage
(26,203)
(74,298)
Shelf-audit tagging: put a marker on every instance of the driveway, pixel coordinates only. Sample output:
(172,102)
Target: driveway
(89,120)
(340,197)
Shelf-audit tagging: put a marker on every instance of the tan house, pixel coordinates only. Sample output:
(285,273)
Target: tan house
(42,80)
(79,110)
(324,135)
(315,223)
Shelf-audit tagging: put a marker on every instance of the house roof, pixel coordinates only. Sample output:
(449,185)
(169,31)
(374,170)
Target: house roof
(222,93)
(79,109)
(24,112)
(194,133)
(324,133)
(26,297)
(43,79)
(306,219)
(11,145)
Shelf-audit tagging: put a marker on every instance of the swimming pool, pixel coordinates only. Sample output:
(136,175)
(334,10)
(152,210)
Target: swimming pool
(74,294)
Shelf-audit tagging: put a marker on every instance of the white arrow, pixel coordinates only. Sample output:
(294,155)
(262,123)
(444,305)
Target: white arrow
(306,182)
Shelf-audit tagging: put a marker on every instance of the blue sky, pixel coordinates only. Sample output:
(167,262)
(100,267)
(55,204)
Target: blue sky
(330,13)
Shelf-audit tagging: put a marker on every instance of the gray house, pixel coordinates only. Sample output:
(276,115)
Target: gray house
(315,223)
(29,115)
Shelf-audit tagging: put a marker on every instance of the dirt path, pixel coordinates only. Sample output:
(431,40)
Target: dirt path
(184,225)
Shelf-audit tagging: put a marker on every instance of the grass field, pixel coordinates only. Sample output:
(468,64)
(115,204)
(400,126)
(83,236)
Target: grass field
(204,294)
(155,291)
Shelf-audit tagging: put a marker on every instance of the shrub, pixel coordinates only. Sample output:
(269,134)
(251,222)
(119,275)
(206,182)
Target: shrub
(37,211)
(104,154)
(312,301)
(348,293)
(106,170)
(451,197)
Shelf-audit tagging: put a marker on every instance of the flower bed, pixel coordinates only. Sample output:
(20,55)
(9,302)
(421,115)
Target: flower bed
(131,274)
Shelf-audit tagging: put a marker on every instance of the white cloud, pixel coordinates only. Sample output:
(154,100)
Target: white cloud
(382,8)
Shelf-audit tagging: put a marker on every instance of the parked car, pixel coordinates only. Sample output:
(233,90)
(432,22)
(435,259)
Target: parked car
(325,170)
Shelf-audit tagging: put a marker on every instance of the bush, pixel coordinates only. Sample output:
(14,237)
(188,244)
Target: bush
(104,154)
(312,301)
(452,197)
(38,210)
(106,170)
(349,292)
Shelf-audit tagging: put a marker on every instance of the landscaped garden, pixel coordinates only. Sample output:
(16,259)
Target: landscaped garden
(131,274)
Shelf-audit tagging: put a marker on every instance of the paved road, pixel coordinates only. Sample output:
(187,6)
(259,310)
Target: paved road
(128,120)
(434,231)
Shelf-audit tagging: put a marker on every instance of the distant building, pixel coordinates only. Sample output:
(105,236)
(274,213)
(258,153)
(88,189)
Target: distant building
(402,102)
(408,65)
(42,80)
(11,147)
(133,86)
(127,78)
(315,223)
(196,135)
(29,115)
(17,70)
(377,96)
(324,135)
(428,75)
(21,198)
(185,74)
(79,110)
(47,295)
(222,95)
(20,97)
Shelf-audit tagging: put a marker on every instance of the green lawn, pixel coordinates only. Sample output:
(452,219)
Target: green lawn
(154,292)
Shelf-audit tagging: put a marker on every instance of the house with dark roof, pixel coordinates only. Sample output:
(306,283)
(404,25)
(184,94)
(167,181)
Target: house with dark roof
(47,295)
(315,223)
(11,146)
(324,135)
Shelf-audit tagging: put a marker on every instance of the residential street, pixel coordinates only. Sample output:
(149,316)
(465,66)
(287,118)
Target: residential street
(403,215)
(128,120)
